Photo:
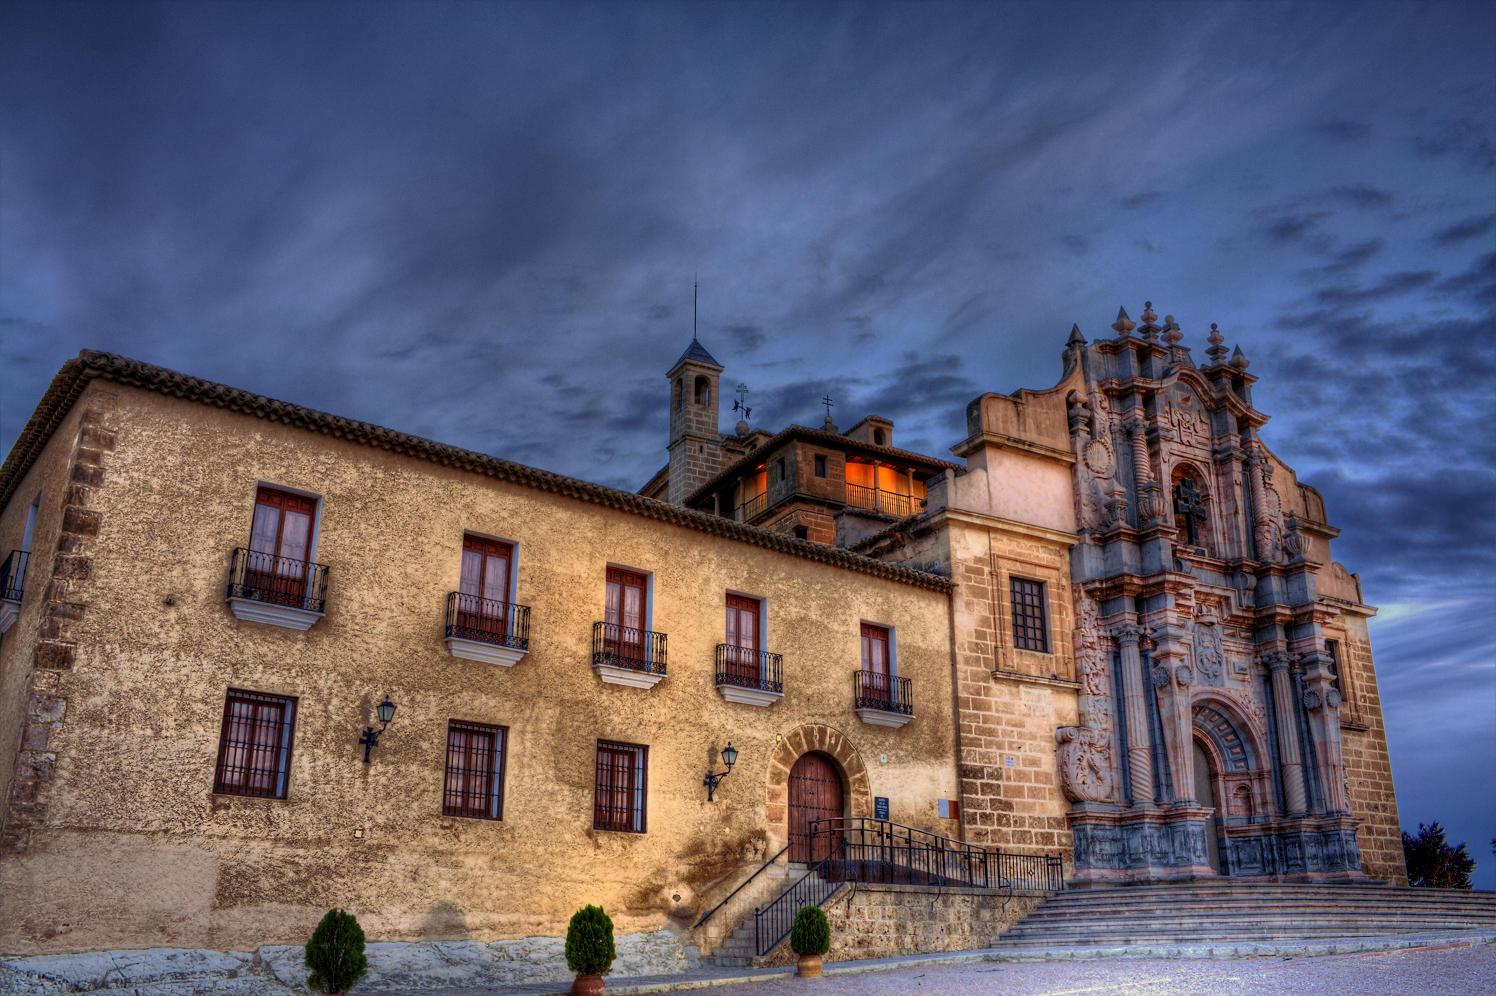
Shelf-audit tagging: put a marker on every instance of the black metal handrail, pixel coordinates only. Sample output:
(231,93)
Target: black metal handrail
(1032,874)
(485,620)
(627,647)
(728,898)
(13,575)
(753,506)
(261,577)
(772,923)
(884,692)
(745,667)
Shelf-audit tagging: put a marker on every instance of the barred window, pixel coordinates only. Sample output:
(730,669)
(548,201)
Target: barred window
(621,787)
(1030,631)
(254,747)
(475,771)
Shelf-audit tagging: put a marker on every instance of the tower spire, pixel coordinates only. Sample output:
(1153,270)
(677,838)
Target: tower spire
(695,285)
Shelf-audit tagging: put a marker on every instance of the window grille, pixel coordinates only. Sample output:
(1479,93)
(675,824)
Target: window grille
(254,747)
(474,784)
(622,771)
(1030,630)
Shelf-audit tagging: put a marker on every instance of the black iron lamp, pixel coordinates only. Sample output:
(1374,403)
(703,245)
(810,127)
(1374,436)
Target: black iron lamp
(370,737)
(714,778)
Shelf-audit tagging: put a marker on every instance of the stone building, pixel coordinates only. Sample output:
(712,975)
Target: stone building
(1109,630)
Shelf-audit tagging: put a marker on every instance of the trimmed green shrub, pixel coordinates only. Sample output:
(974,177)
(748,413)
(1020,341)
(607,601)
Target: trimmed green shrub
(811,934)
(335,954)
(589,942)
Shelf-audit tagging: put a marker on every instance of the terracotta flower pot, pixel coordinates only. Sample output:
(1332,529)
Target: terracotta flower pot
(587,985)
(808,967)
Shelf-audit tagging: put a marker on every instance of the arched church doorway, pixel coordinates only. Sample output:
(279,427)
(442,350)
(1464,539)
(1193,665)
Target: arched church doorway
(816,793)
(1206,779)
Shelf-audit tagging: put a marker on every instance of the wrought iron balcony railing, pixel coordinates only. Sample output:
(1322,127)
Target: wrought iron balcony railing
(753,506)
(503,624)
(747,668)
(886,693)
(12,575)
(624,646)
(260,577)
(880,501)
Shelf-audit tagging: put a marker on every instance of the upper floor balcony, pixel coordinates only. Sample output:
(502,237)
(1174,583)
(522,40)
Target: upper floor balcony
(887,502)
(482,629)
(753,507)
(625,655)
(12,577)
(883,699)
(748,676)
(276,590)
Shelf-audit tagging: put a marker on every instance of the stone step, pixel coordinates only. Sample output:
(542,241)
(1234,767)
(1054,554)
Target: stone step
(1243,930)
(1247,910)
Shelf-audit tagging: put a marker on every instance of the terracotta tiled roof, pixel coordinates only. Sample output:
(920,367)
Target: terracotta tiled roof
(75,375)
(831,439)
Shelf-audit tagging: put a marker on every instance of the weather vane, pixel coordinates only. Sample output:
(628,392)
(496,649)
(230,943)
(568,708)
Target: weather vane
(741,405)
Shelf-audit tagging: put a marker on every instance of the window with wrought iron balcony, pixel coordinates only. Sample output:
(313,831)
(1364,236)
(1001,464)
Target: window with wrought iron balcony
(482,623)
(273,580)
(745,673)
(624,651)
(12,580)
(880,695)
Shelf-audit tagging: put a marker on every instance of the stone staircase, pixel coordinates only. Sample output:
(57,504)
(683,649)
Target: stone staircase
(1225,916)
(739,949)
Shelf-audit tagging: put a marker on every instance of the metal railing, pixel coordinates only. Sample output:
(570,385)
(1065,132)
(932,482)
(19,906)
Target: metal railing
(772,923)
(884,692)
(753,506)
(261,577)
(748,668)
(728,898)
(887,502)
(1031,874)
(13,575)
(484,620)
(623,646)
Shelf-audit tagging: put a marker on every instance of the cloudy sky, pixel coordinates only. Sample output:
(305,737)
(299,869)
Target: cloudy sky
(479,223)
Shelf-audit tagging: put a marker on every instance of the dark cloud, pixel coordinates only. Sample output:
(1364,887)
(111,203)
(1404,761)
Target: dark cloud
(1464,231)
(1342,130)
(480,223)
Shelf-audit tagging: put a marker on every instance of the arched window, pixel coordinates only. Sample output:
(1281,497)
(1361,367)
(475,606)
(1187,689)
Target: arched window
(880,438)
(678,394)
(703,390)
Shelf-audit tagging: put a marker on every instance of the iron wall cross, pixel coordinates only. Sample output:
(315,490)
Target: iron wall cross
(1189,504)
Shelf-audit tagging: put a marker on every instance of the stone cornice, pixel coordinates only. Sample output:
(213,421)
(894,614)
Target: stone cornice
(76,374)
(1056,536)
(974,442)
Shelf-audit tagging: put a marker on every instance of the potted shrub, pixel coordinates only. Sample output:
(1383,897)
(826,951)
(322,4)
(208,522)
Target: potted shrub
(589,949)
(335,954)
(810,938)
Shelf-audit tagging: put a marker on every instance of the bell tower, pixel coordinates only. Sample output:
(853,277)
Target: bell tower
(695,431)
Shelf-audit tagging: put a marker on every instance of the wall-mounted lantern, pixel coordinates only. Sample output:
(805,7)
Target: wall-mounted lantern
(370,736)
(714,778)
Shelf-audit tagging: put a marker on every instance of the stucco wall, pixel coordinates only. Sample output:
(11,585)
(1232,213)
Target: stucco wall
(138,851)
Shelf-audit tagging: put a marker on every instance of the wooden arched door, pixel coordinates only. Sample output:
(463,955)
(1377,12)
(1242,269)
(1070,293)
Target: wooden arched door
(815,794)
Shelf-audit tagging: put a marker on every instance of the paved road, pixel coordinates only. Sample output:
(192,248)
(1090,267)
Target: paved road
(1423,971)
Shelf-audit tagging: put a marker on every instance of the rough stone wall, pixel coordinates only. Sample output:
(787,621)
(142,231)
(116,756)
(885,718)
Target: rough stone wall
(41,647)
(880,921)
(1368,768)
(136,850)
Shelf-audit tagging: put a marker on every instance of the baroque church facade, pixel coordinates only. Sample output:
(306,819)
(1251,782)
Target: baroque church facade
(1105,632)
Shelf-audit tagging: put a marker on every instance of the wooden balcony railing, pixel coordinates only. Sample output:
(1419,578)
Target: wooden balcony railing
(880,501)
(626,647)
(503,624)
(746,668)
(753,506)
(886,693)
(261,577)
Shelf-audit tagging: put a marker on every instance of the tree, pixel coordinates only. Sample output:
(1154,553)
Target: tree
(1433,863)
(335,954)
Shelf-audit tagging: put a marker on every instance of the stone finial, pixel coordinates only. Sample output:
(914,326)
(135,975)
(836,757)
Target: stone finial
(1149,329)
(1172,335)
(1217,350)
(1076,340)
(742,429)
(1123,326)
(1238,359)
(828,425)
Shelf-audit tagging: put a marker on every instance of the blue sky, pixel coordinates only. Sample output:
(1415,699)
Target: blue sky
(479,222)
